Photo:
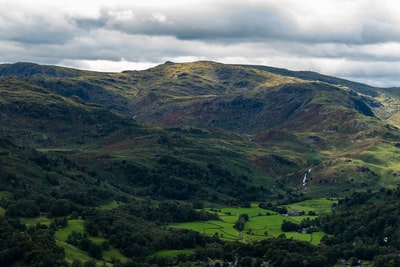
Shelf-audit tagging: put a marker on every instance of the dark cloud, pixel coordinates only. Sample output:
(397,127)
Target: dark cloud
(254,22)
(218,25)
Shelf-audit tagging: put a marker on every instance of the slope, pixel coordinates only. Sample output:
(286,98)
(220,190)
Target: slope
(270,125)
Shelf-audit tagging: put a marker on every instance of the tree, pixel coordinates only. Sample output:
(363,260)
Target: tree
(91,263)
(288,226)
(23,208)
(95,250)
(76,263)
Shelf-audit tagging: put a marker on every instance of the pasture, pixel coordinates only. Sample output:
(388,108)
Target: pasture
(33,221)
(72,252)
(262,223)
(318,205)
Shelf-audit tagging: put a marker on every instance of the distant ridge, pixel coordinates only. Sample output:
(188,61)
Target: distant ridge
(28,69)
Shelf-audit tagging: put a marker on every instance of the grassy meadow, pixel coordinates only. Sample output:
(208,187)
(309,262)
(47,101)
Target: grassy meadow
(262,223)
(319,206)
(72,252)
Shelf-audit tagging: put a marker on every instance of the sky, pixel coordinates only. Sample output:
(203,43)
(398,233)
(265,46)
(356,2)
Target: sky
(353,39)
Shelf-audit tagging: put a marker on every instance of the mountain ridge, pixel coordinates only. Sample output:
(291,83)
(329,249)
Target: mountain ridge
(286,116)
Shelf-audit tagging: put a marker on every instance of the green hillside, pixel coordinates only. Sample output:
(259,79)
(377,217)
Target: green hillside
(163,143)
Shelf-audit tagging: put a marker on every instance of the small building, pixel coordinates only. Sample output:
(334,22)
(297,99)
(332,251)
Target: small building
(296,213)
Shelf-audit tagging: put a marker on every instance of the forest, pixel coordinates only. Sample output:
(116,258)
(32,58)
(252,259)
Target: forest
(363,227)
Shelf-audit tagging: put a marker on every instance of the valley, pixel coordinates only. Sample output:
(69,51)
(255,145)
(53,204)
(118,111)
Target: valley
(186,162)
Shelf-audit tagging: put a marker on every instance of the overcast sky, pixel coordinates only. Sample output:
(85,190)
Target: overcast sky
(353,39)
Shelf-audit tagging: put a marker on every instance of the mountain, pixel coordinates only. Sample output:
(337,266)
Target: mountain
(278,122)
(203,133)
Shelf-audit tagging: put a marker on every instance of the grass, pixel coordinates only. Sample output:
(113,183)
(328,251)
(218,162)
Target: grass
(256,229)
(108,255)
(111,205)
(33,221)
(221,228)
(260,225)
(253,211)
(72,252)
(73,225)
(318,205)
(173,252)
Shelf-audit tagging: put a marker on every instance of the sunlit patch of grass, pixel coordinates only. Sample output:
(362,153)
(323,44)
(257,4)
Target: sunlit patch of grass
(109,254)
(254,210)
(318,205)
(73,225)
(262,223)
(73,252)
(33,221)
(110,205)
(223,229)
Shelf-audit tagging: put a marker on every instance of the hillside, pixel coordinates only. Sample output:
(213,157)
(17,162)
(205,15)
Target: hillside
(279,122)
(201,133)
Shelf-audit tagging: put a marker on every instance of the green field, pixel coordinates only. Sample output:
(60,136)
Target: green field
(262,223)
(72,252)
(318,205)
(254,210)
(33,221)
(109,206)
(73,225)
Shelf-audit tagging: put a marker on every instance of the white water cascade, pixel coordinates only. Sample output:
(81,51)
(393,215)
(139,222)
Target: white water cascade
(305,177)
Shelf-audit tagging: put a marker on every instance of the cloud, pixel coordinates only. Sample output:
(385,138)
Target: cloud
(346,21)
(214,22)
(356,39)
(16,25)
(106,65)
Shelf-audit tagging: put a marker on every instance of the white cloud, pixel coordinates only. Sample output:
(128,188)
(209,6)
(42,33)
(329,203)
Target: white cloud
(107,65)
(159,17)
(122,15)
